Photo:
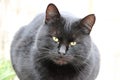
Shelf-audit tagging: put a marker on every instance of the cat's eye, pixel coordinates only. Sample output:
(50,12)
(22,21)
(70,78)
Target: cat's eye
(55,39)
(72,43)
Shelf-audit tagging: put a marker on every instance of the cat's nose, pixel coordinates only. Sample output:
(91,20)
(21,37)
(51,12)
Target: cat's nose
(62,50)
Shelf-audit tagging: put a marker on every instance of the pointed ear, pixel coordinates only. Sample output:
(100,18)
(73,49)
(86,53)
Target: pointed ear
(88,23)
(52,13)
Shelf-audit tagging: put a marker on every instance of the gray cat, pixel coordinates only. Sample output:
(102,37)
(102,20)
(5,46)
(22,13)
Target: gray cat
(55,46)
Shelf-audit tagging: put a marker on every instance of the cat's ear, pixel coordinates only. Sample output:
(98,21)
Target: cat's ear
(88,22)
(52,13)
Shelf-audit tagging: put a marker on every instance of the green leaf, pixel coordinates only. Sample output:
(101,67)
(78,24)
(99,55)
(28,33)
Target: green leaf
(6,70)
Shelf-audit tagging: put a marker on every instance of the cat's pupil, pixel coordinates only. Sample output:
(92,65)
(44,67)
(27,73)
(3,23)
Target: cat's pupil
(72,43)
(55,39)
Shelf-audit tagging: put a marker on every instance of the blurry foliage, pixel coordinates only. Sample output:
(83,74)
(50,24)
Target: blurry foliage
(6,70)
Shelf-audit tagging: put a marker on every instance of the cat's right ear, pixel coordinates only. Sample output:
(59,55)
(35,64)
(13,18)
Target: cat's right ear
(52,14)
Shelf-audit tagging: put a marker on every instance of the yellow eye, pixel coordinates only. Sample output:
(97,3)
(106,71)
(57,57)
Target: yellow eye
(55,39)
(72,43)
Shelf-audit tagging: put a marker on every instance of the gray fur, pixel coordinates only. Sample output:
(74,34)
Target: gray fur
(27,52)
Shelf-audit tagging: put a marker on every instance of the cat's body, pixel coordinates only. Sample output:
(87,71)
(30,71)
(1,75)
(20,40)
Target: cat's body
(53,47)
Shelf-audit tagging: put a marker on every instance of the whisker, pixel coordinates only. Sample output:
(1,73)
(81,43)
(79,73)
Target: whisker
(76,68)
(81,56)
(41,58)
(45,49)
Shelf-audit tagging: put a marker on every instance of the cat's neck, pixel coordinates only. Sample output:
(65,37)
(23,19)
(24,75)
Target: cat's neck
(55,72)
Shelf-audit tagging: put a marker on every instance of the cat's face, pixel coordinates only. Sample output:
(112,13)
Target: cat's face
(64,40)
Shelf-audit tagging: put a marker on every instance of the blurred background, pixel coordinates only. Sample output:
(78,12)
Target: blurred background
(105,33)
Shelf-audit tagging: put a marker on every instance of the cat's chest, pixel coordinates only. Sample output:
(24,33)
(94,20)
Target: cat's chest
(61,78)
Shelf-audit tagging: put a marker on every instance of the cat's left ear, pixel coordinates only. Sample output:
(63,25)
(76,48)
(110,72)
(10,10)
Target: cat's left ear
(88,22)
(52,14)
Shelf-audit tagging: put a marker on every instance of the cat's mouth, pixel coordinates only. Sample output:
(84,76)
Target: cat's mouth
(62,60)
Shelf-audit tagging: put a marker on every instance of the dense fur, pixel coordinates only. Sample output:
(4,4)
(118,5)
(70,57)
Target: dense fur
(36,56)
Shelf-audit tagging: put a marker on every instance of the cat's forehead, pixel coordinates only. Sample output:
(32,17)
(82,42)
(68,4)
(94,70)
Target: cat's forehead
(65,29)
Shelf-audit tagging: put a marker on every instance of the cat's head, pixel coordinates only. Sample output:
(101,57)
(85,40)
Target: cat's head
(63,39)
